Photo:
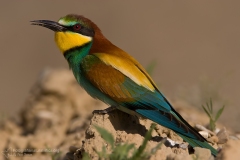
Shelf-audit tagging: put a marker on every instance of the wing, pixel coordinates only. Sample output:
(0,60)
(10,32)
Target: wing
(123,81)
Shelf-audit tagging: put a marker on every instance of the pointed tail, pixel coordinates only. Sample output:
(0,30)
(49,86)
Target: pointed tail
(174,121)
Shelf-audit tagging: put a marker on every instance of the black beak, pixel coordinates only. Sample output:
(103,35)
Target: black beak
(56,27)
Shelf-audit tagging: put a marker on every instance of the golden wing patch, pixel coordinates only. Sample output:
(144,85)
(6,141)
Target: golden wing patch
(127,68)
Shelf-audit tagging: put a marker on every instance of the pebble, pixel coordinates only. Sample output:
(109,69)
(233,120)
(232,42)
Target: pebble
(202,153)
(202,128)
(223,136)
(204,134)
(213,139)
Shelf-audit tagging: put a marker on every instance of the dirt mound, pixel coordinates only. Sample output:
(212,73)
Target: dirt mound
(56,122)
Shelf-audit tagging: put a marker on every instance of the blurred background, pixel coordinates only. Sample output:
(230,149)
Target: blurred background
(194,46)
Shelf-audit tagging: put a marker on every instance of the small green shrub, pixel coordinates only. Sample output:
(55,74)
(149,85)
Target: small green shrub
(208,108)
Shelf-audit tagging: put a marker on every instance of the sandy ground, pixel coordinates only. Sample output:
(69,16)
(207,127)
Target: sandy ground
(56,122)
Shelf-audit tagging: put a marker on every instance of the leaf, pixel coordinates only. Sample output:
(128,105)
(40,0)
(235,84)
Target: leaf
(105,135)
(219,113)
(211,105)
(208,106)
(206,112)
(212,125)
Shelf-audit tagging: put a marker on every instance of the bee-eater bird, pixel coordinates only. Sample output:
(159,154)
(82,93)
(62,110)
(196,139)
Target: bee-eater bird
(111,75)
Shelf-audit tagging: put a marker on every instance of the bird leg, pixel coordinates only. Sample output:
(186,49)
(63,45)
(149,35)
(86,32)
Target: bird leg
(105,111)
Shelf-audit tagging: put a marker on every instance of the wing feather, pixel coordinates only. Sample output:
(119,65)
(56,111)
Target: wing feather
(119,87)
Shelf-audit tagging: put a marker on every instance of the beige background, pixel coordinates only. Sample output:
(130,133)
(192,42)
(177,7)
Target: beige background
(195,44)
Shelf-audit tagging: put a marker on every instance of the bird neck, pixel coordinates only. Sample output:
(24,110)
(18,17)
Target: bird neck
(75,55)
(101,44)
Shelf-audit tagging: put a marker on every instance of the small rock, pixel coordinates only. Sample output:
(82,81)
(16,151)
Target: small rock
(217,130)
(184,145)
(222,136)
(204,134)
(202,153)
(202,128)
(213,139)
(171,142)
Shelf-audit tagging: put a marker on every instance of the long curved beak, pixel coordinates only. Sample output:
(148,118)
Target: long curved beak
(54,26)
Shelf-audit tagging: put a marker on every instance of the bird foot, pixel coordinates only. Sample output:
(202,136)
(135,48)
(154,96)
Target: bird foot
(105,111)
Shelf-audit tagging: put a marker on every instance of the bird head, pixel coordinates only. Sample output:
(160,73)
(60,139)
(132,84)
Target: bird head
(71,31)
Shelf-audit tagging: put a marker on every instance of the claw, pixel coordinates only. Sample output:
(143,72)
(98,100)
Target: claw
(105,111)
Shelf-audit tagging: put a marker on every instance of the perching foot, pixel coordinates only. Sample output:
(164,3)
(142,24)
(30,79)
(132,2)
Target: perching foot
(105,111)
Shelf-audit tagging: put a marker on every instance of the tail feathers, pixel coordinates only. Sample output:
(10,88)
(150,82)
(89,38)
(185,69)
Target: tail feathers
(185,131)
(197,143)
(170,121)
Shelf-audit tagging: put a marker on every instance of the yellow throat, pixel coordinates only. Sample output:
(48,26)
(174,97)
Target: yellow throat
(69,40)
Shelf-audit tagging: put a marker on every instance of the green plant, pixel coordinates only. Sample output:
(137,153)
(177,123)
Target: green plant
(124,151)
(208,108)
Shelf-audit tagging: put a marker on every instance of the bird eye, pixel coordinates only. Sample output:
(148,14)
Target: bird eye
(77,27)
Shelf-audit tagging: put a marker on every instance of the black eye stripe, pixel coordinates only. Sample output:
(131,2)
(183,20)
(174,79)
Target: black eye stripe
(84,30)
(87,31)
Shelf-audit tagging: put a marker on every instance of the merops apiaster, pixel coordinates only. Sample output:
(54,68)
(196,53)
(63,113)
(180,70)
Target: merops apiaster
(111,75)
